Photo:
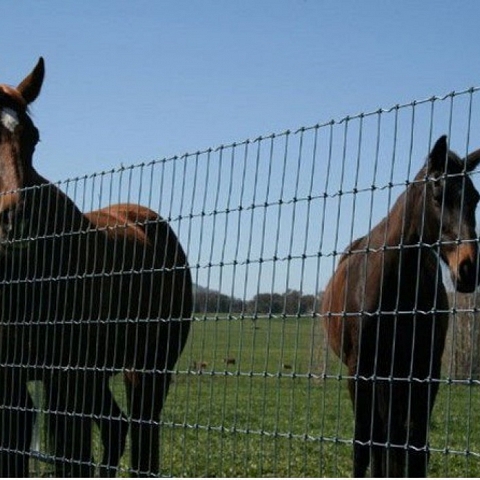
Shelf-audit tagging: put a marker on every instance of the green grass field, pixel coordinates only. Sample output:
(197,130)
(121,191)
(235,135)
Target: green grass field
(271,414)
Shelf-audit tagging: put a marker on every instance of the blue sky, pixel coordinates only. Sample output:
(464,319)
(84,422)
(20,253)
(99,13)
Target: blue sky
(134,81)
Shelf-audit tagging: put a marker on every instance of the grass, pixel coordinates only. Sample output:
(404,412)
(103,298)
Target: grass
(272,414)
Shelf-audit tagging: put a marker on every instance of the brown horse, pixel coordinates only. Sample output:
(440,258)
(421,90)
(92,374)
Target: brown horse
(83,296)
(385,311)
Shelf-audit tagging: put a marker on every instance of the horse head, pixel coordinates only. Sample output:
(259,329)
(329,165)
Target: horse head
(18,138)
(449,212)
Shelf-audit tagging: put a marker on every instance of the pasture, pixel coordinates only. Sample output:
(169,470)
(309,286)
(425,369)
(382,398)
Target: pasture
(282,409)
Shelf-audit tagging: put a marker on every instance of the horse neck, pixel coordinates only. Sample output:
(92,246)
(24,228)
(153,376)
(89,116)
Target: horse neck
(404,225)
(401,232)
(58,213)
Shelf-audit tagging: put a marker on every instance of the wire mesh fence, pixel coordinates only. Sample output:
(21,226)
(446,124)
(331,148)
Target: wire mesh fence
(264,223)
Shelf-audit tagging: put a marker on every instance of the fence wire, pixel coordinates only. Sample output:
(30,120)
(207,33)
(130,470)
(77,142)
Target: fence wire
(264,223)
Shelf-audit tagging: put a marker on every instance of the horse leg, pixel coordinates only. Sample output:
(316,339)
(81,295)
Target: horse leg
(393,401)
(70,430)
(367,429)
(423,399)
(17,417)
(363,393)
(360,394)
(146,394)
(113,425)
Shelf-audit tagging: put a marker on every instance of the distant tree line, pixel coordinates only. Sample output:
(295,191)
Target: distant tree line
(462,351)
(212,301)
(292,302)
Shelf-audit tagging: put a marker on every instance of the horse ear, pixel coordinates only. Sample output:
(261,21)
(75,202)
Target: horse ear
(472,160)
(30,87)
(438,156)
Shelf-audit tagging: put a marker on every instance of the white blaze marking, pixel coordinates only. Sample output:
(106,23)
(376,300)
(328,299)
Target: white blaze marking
(9,118)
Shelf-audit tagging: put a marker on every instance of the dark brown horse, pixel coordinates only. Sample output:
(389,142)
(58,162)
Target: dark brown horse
(82,298)
(385,311)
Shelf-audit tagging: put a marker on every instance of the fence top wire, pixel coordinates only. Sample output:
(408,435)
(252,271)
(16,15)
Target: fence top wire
(248,141)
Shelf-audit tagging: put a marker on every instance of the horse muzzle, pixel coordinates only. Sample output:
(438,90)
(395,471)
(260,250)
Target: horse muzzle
(466,277)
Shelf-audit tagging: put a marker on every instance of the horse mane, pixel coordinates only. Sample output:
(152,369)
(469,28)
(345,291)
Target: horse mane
(352,248)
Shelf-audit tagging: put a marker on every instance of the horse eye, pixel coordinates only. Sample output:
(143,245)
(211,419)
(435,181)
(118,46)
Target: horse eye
(6,219)
(438,193)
